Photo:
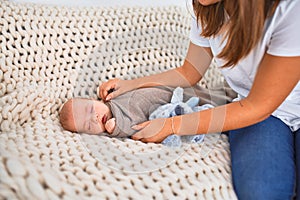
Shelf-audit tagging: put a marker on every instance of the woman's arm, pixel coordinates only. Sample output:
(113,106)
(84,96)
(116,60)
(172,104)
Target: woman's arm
(275,79)
(195,64)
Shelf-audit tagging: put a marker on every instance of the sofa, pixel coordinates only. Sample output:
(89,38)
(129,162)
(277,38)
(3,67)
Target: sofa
(49,54)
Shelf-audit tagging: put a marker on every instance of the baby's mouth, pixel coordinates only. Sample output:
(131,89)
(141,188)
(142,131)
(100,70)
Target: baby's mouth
(104,119)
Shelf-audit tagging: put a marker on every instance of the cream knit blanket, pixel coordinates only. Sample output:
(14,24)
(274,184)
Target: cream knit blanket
(49,54)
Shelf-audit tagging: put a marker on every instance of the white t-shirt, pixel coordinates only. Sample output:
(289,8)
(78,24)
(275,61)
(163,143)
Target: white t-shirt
(281,38)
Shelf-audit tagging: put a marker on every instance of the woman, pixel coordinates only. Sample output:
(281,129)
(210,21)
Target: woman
(256,43)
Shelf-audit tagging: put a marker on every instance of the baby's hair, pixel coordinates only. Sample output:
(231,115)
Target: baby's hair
(64,116)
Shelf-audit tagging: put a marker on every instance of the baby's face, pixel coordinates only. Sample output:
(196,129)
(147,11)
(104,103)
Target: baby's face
(90,116)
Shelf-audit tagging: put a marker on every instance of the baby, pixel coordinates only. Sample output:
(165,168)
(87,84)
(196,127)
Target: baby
(116,117)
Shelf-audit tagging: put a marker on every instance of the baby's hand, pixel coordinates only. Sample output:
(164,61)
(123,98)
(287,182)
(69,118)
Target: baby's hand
(110,125)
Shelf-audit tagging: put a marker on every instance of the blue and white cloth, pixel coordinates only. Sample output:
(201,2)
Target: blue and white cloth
(178,107)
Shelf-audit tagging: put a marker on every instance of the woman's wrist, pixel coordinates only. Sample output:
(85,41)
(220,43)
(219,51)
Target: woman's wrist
(134,84)
(175,124)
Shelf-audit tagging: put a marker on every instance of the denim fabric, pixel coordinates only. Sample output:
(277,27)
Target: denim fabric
(297,150)
(263,158)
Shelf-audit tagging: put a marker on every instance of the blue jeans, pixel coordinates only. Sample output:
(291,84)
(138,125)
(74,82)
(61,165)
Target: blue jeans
(265,160)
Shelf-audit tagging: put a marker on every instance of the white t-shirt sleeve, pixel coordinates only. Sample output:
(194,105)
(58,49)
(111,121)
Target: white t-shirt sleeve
(195,34)
(285,39)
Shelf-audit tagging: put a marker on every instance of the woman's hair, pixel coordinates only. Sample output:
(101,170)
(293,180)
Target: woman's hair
(244,21)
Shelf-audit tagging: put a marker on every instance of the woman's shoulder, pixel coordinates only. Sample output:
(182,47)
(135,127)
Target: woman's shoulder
(283,29)
(287,8)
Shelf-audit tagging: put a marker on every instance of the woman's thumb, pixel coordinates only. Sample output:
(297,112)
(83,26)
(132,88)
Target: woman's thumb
(140,126)
(112,95)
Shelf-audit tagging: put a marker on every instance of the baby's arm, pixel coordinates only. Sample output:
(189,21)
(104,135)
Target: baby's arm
(110,125)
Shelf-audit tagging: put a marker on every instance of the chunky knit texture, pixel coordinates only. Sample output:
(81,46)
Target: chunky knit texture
(49,54)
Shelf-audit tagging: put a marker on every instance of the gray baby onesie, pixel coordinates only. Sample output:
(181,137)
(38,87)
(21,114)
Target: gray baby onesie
(134,107)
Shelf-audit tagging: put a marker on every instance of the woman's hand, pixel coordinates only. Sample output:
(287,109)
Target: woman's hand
(153,131)
(114,88)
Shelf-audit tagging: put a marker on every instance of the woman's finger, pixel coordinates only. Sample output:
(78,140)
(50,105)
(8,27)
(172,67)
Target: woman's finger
(107,87)
(113,94)
(145,131)
(98,92)
(140,126)
(139,135)
(151,139)
(152,131)
(102,92)
(105,90)
(157,138)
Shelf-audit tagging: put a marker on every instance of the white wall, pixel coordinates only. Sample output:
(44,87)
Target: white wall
(109,2)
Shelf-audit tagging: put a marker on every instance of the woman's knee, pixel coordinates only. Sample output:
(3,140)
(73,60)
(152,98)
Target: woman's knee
(262,158)
(255,190)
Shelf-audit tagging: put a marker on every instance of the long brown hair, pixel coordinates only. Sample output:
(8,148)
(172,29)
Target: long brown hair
(244,26)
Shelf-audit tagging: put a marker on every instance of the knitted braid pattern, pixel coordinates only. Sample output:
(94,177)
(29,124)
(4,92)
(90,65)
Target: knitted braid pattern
(49,54)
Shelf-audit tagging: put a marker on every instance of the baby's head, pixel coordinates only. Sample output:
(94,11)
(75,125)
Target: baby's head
(84,116)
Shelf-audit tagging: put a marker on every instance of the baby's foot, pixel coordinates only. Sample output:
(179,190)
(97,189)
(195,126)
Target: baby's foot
(110,125)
